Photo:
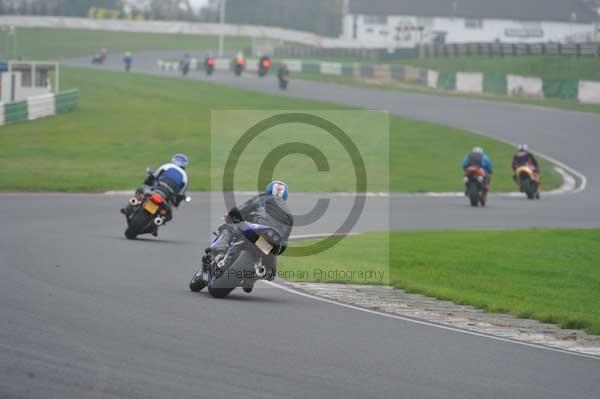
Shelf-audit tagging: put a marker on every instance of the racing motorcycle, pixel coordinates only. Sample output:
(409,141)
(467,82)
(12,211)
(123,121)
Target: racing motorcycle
(239,65)
(474,185)
(210,65)
(99,58)
(283,82)
(246,257)
(528,181)
(150,209)
(264,64)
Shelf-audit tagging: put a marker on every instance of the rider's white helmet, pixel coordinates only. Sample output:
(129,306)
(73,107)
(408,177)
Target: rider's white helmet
(477,150)
(278,189)
(523,147)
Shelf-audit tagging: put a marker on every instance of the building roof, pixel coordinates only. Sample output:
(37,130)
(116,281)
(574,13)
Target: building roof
(530,10)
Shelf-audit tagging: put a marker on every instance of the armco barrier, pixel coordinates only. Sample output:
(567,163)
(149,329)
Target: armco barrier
(524,86)
(495,83)
(15,112)
(564,89)
(589,92)
(331,68)
(67,101)
(38,107)
(41,106)
(469,82)
(446,81)
(432,78)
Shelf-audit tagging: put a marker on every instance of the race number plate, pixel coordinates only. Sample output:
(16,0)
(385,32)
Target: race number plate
(263,245)
(151,207)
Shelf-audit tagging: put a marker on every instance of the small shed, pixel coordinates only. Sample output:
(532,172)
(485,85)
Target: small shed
(23,79)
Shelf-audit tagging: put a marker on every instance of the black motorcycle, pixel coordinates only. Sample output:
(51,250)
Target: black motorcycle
(239,65)
(185,68)
(149,209)
(240,255)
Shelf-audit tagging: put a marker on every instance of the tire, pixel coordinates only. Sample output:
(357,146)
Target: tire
(196,283)
(473,194)
(227,281)
(219,292)
(530,188)
(137,224)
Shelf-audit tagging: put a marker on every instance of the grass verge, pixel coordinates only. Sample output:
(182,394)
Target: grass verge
(548,274)
(48,43)
(126,122)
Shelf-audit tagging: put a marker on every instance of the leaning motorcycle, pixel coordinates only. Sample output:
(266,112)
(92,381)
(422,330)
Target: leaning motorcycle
(150,208)
(528,181)
(474,185)
(247,256)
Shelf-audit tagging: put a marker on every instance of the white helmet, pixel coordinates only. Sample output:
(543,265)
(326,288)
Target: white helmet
(477,150)
(523,147)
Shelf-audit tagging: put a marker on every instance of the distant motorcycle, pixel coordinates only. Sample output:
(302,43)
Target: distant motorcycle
(128,60)
(240,262)
(264,64)
(185,68)
(528,181)
(150,209)
(283,76)
(209,65)
(99,58)
(239,64)
(474,185)
(283,82)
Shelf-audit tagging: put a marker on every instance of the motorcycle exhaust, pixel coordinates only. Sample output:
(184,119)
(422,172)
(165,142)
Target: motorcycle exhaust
(159,221)
(133,201)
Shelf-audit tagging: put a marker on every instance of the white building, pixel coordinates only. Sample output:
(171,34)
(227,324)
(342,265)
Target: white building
(406,23)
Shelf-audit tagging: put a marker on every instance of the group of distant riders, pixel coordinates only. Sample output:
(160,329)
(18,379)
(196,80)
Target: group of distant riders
(526,172)
(238,64)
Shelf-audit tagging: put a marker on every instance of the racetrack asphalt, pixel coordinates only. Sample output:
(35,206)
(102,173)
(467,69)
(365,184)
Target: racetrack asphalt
(88,314)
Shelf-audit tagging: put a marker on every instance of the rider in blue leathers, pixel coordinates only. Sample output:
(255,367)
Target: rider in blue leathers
(478,158)
(172,175)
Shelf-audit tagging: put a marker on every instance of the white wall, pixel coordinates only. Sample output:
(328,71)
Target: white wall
(388,35)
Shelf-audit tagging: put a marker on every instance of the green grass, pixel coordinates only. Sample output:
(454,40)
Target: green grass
(545,274)
(128,122)
(43,43)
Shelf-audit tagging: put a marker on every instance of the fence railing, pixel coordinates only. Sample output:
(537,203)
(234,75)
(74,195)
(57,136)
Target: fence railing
(38,107)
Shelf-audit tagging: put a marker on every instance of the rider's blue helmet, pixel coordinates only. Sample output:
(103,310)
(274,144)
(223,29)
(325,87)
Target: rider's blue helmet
(278,189)
(180,160)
